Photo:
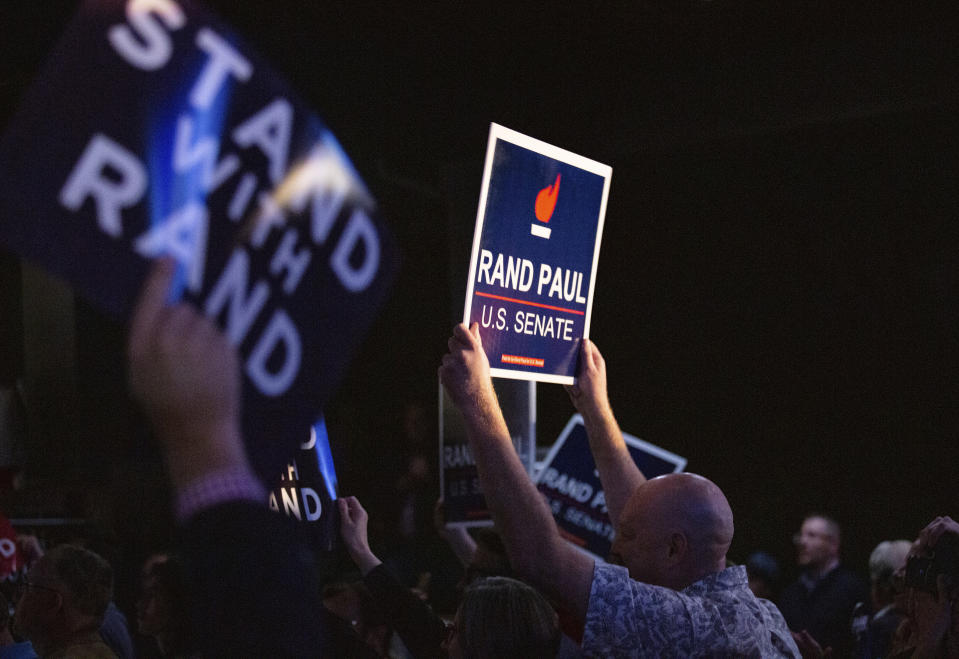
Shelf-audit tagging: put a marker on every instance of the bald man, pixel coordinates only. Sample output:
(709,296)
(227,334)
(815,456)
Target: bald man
(670,594)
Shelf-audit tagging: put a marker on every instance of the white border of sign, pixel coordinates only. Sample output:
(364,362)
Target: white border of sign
(497,132)
(630,440)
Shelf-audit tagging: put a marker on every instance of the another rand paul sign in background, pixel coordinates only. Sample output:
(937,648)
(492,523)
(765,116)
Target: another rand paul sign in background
(460,489)
(569,481)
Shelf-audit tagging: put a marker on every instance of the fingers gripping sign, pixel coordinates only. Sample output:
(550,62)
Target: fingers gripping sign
(353,524)
(464,370)
(182,368)
(353,530)
(589,393)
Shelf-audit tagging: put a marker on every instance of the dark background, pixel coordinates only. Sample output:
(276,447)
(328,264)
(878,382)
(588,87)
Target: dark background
(778,290)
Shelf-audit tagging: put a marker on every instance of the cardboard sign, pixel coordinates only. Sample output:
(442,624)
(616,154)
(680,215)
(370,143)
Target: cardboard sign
(535,249)
(153,130)
(460,487)
(570,482)
(306,489)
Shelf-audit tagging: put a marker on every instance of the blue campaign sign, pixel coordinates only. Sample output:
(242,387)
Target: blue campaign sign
(535,250)
(569,481)
(460,488)
(153,130)
(306,489)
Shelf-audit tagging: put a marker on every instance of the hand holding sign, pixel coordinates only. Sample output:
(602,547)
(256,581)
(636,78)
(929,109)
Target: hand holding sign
(186,374)
(465,373)
(154,130)
(353,524)
(589,395)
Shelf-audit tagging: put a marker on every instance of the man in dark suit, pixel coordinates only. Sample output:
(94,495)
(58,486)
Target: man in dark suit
(821,601)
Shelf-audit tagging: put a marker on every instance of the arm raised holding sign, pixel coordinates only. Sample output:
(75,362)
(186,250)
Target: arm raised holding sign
(617,471)
(673,535)
(242,559)
(536,550)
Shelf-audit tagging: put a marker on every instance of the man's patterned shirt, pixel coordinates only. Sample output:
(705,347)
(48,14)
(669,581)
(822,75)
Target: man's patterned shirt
(715,617)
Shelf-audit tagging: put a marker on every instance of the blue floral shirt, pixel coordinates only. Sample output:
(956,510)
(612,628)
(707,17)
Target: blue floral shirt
(715,617)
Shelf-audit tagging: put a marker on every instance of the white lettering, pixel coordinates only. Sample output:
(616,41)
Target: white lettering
(311,442)
(557,285)
(359,229)
(241,198)
(309,494)
(290,502)
(231,288)
(280,330)
(269,129)
(268,215)
(527,322)
(486,260)
(545,273)
(457,455)
(204,154)
(294,263)
(150,48)
(112,176)
(571,487)
(224,60)
(183,235)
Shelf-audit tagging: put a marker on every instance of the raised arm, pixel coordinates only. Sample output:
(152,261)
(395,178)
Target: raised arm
(422,631)
(536,551)
(618,473)
(186,375)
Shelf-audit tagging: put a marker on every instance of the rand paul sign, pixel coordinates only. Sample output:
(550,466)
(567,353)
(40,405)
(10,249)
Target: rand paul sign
(535,250)
(151,130)
(570,483)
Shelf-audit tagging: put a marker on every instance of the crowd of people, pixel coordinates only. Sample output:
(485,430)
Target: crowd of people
(242,583)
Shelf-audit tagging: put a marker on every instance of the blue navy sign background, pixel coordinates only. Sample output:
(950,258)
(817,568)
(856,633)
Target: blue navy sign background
(530,334)
(463,499)
(307,487)
(570,483)
(157,132)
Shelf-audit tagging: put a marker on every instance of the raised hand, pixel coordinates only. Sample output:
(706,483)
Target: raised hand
(185,373)
(589,395)
(464,370)
(353,529)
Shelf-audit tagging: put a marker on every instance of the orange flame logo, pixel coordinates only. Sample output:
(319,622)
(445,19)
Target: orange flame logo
(546,201)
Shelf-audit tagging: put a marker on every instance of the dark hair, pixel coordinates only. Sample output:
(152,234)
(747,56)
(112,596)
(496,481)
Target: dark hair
(171,585)
(763,566)
(87,576)
(369,611)
(502,617)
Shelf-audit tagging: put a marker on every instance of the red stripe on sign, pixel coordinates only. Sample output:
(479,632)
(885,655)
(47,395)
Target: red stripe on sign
(522,361)
(532,304)
(572,538)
